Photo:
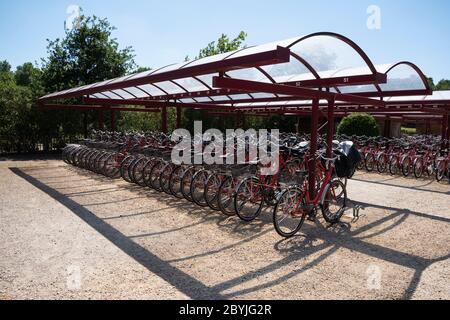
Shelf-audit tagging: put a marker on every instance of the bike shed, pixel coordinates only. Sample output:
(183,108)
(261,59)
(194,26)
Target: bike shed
(321,75)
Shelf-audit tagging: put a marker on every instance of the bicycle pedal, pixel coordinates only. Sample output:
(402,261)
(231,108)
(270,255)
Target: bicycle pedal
(312,212)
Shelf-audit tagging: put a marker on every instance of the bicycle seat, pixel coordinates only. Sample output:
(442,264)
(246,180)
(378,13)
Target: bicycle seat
(303,145)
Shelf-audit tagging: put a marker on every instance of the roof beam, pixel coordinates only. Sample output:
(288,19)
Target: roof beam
(278,55)
(220,82)
(92,107)
(340,81)
(155,104)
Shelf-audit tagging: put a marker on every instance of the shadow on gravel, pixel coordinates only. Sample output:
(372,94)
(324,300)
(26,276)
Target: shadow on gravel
(418,188)
(31,157)
(320,239)
(341,236)
(174,276)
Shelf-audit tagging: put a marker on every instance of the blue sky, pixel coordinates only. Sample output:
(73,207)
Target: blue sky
(163,32)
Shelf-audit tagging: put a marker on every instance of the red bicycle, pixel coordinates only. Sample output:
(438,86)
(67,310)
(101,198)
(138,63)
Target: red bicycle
(295,203)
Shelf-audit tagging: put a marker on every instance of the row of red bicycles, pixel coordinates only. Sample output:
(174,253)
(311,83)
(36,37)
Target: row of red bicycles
(411,156)
(240,189)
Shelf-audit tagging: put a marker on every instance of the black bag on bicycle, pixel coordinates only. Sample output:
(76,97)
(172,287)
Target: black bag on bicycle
(348,158)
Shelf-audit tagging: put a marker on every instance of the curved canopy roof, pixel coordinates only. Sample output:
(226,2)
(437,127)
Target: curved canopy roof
(320,60)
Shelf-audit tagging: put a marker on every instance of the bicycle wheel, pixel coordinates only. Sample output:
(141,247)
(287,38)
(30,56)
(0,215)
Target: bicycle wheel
(155,175)
(82,158)
(369,163)
(225,197)
(124,172)
(212,187)
(111,168)
(418,168)
(393,166)
(148,166)
(382,163)
(137,171)
(175,182)
(289,212)
(406,166)
(332,206)
(91,160)
(75,156)
(164,179)
(440,170)
(197,188)
(185,183)
(97,161)
(360,164)
(248,200)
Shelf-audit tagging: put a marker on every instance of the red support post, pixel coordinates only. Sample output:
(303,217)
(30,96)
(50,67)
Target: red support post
(445,129)
(330,128)
(313,147)
(113,120)
(178,117)
(85,125)
(100,120)
(448,131)
(164,119)
(387,127)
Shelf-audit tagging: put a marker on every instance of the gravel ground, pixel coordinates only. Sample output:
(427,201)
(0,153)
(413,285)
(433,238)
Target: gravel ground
(69,234)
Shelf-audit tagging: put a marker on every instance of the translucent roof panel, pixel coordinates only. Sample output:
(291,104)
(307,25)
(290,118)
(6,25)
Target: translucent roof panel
(439,95)
(187,100)
(264,47)
(240,96)
(207,79)
(124,94)
(317,57)
(141,74)
(345,72)
(136,92)
(111,95)
(251,74)
(169,87)
(358,89)
(191,84)
(324,53)
(285,71)
(403,77)
(203,99)
(209,59)
(436,96)
(152,90)
(220,98)
(262,95)
(169,68)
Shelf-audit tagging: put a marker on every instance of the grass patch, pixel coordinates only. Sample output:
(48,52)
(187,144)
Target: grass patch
(409,130)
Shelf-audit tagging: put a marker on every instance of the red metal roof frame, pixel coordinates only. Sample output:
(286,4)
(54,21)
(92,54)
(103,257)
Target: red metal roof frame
(117,88)
(278,55)
(118,92)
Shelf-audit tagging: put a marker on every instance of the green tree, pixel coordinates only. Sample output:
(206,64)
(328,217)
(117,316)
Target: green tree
(443,85)
(87,54)
(5,66)
(359,124)
(17,123)
(431,83)
(222,45)
(27,75)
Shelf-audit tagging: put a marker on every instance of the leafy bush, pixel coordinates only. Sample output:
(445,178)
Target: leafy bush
(360,124)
